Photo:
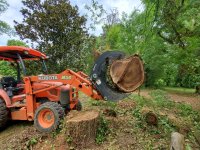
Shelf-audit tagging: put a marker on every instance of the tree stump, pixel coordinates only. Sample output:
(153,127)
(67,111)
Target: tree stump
(81,128)
(150,116)
(177,141)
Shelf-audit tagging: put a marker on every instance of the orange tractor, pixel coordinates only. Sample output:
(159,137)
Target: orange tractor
(46,98)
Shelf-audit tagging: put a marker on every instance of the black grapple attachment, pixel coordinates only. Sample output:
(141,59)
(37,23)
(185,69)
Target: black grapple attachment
(116,76)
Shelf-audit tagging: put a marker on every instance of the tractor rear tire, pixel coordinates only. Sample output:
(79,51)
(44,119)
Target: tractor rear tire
(3,114)
(48,117)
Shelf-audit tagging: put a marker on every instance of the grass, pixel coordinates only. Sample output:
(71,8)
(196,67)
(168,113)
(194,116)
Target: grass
(172,116)
(102,131)
(129,129)
(179,90)
(131,122)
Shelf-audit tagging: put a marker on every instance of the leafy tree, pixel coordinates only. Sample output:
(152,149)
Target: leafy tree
(58,30)
(166,35)
(4,27)
(177,23)
(113,36)
(6,69)
(95,13)
(98,16)
(16,43)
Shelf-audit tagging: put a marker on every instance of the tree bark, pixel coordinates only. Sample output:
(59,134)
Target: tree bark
(81,128)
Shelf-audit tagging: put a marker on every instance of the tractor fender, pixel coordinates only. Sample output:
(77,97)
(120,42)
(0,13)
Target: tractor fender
(5,97)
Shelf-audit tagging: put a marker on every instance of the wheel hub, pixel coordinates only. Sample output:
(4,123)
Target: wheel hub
(46,118)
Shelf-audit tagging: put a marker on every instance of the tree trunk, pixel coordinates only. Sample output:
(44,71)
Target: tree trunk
(81,128)
(177,141)
(198,89)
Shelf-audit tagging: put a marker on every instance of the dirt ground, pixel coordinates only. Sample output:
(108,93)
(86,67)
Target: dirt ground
(124,135)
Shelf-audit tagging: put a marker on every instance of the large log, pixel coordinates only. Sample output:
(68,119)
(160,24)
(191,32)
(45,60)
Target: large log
(128,73)
(81,128)
(177,141)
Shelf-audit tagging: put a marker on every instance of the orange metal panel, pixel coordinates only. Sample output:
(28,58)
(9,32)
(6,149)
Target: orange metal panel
(18,98)
(30,51)
(19,115)
(30,100)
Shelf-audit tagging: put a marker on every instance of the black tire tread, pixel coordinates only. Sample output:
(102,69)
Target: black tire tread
(3,114)
(57,108)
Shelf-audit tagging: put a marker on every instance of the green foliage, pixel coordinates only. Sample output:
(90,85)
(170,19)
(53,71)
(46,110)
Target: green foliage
(7,70)
(161,99)
(166,125)
(13,42)
(58,30)
(113,37)
(179,90)
(176,22)
(102,130)
(4,27)
(166,35)
(69,139)
(31,142)
(140,119)
(166,110)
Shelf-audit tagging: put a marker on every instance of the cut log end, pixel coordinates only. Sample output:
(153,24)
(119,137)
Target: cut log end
(127,74)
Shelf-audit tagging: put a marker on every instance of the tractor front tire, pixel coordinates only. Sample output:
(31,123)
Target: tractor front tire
(48,117)
(3,114)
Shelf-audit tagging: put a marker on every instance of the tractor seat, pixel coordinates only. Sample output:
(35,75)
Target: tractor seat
(9,84)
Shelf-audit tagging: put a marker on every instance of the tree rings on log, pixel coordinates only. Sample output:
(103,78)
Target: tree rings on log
(127,74)
(81,128)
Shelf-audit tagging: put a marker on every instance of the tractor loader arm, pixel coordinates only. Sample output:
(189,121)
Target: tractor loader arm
(102,84)
(78,80)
